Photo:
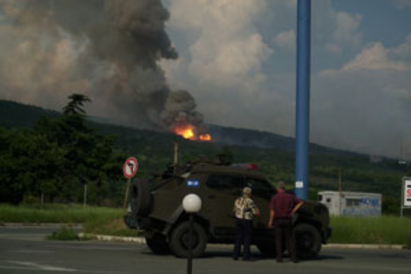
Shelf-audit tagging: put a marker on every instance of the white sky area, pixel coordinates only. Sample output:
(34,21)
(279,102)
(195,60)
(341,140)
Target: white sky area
(238,60)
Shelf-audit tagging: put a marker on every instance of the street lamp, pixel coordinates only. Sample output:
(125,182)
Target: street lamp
(192,205)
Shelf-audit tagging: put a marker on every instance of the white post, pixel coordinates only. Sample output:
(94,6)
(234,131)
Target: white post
(192,205)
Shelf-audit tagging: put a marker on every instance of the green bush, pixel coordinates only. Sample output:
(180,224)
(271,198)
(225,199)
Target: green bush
(109,226)
(66,233)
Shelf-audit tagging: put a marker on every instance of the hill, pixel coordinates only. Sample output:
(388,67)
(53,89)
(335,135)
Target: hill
(17,115)
(274,154)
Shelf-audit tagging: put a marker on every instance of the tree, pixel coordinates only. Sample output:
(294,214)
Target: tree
(226,155)
(89,156)
(74,114)
(57,157)
(75,104)
(30,166)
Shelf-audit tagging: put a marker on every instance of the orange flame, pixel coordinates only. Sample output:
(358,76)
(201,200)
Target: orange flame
(188,132)
(205,137)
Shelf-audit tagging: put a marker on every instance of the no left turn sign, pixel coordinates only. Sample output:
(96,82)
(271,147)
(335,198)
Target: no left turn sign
(130,167)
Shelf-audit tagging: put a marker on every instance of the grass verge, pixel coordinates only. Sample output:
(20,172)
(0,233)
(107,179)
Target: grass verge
(95,220)
(56,214)
(66,233)
(107,226)
(382,230)
(109,221)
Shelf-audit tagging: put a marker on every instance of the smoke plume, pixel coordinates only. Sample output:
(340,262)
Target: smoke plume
(108,50)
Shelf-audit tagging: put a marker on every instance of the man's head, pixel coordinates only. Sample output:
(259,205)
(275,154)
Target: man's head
(280,187)
(247,191)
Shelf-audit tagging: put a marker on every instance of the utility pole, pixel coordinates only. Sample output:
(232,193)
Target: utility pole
(340,186)
(302,132)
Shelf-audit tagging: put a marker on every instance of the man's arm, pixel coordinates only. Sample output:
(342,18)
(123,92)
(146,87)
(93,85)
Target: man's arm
(297,207)
(270,223)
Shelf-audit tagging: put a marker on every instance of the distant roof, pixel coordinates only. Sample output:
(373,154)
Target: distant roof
(352,193)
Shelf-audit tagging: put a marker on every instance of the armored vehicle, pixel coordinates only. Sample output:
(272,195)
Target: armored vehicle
(156,207)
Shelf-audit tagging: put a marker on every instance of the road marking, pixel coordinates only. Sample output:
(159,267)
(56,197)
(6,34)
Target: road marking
(33,251)
(35,266)
(30,266)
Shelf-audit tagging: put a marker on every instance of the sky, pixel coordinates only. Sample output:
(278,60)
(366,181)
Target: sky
(236,64)
(238,59)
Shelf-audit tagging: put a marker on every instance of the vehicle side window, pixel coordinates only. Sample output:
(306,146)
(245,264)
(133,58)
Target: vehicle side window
(260,187)
(224,182)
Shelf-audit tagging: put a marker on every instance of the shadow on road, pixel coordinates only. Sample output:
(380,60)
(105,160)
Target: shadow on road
(256,256)
(327,257)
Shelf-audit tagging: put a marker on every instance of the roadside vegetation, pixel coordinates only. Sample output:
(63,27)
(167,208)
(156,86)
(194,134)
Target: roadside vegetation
(109,221)
(66,233)
(70,214)
(57,157)
(373,230)
(108,226)
(95,220)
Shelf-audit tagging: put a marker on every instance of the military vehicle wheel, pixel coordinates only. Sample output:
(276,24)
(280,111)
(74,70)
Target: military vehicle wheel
(158,244)
(267,248)
(140,197)
(307,241)
(179,241)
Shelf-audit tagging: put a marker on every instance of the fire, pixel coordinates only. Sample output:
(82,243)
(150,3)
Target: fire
(188,132)
(205,137)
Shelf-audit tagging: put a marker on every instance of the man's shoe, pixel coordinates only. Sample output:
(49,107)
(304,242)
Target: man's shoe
(279,260)
(235,258)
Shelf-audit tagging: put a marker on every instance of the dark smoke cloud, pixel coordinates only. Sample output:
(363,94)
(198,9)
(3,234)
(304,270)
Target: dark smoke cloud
(108,50)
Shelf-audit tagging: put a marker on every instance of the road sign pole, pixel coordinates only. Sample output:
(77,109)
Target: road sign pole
(303,98)
(126,195)
(130,168)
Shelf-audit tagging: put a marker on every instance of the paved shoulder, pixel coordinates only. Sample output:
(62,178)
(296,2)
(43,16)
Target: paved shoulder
(25,251)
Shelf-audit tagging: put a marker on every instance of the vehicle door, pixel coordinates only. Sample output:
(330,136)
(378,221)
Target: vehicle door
(262,192)
(222,191)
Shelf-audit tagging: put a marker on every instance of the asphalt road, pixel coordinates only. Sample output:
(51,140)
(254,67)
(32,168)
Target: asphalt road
(24,250)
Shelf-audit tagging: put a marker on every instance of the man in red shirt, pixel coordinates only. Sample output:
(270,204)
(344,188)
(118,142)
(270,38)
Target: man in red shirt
(282,208)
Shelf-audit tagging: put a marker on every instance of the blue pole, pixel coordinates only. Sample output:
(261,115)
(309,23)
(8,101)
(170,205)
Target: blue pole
(302,131)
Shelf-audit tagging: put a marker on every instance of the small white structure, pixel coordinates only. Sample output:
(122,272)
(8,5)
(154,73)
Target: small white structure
(351,203)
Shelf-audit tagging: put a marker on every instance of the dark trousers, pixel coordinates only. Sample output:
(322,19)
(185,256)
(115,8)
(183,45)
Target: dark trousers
(244,229)
(283,230)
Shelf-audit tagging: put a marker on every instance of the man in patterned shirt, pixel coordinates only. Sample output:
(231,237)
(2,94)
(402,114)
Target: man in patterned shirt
(244,210)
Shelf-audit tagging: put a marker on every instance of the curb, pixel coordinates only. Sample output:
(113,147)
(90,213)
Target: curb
(364,246)
(141,240)
(108,238)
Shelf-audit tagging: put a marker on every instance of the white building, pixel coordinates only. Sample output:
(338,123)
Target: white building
(351,203)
